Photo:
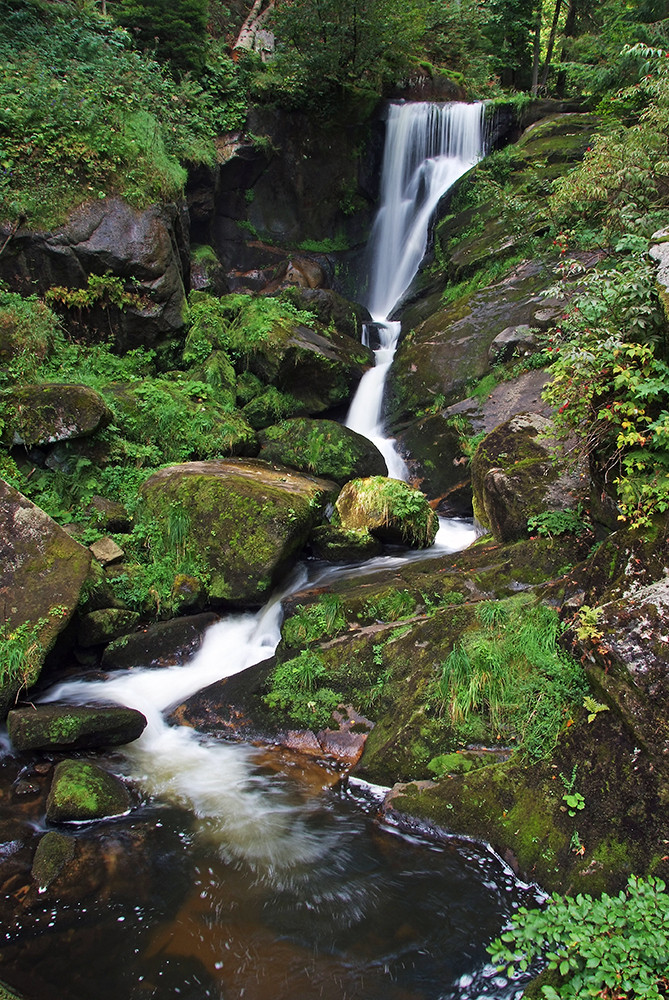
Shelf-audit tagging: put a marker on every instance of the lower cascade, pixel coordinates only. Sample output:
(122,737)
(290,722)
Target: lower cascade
(294,889)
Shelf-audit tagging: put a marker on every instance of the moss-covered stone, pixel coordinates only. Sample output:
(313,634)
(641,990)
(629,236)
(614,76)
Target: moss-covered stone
(389,509)
(83,791)
(46,413)
(53,853)
(42,572)
(322,447)
(99,627)
(74,727)
(244,520)
(338,546)
(520,809)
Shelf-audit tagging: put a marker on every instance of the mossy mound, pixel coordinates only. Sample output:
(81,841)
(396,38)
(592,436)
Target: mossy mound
(83,791)
(515,476)
(46,413)
(244,520)
(27,327)
(42,572)
(73,727)
(316,366)
(181,418)
(389,509)
(322,447)
(99,627)
(521,809)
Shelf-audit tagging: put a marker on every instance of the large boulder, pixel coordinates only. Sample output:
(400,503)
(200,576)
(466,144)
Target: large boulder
(42,572)
(515,476)
(322,447)
(49,412)
(391,510)
(147,248)
(438,448)
(245,521)
(74,727)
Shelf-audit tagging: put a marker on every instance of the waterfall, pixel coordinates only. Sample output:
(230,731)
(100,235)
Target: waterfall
(428,146)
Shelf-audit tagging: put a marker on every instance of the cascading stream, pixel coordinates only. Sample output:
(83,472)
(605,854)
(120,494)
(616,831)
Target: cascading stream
(428,146)
(291,895)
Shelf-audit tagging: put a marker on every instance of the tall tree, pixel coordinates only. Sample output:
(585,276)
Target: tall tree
(176,29)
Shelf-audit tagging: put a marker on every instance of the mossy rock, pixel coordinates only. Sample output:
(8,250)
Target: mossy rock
(46,413)
(42,573)
(515,476)
(317,365)
(389,509)
(53,853)
(330,309)
(338,546)
(73,727)
(245,521)
(99,627)
(82,791)
(519,808)
(27,325)
(322,447)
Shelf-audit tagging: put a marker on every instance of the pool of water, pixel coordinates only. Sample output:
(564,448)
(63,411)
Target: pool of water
(159,905)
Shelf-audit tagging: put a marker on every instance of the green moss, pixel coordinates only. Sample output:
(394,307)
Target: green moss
(83,791)
(53,852)
(388,508)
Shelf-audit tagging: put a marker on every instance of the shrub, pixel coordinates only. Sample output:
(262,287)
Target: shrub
(613,947)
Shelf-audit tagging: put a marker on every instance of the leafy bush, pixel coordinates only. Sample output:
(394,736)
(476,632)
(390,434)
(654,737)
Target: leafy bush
(613,947)
(610,386)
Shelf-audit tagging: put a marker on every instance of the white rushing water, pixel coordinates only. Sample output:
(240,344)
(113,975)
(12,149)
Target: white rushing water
(428,147)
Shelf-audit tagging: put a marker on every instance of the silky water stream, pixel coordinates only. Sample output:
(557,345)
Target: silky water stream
(254,874)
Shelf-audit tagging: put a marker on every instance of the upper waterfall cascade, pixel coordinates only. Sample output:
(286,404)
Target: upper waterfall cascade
(428,147)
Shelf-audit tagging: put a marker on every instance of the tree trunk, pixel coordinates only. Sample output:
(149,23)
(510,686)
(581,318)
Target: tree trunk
(255,20)
(536,52)
(569,26)
(551,44)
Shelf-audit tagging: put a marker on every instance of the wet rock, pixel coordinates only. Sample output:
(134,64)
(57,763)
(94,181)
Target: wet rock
(106,551)
(46,413)
(164,644)
(83,791)
(42,572)
(321,447)
(659,252)
(53,853)
(74,727)
(232,706)
(515,476)
(99,627)
(336,545)
(247,521)
(391,510)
